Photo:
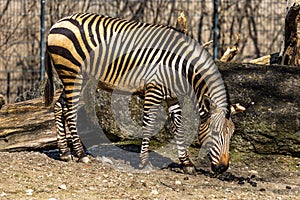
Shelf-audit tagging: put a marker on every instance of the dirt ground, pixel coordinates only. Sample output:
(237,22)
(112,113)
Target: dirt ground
(36,175)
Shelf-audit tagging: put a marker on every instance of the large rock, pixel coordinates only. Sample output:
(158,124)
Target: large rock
(271,123)
(271,94)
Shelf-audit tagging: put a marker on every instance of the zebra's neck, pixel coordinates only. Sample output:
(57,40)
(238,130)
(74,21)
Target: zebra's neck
(208,81)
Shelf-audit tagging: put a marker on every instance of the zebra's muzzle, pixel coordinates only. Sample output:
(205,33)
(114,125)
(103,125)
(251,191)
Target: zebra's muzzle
(219,169)
(222,165)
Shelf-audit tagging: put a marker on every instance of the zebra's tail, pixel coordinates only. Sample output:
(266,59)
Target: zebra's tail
(49,87)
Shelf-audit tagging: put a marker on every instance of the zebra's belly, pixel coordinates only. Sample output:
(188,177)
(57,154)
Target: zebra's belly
(122,88)
(137,88)
(133,81)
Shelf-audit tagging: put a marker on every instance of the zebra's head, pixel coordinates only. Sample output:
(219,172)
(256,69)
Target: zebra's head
(215,130)
(219,152)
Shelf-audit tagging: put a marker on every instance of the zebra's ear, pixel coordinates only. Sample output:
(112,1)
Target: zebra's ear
(236,108)
(228,127)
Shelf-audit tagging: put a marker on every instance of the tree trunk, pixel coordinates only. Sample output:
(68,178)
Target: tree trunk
(291,51)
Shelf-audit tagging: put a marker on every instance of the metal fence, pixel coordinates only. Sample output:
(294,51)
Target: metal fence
(259,22)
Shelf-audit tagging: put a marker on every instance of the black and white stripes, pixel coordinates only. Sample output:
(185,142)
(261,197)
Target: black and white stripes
(155,60)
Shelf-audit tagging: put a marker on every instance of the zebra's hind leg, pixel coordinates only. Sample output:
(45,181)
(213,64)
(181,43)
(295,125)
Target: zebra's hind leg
(72,91)
(71,119)
(153,98)
(62,140)
(175,113)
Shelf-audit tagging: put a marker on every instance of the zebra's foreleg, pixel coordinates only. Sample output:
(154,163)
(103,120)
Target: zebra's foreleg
(62,143)
(175,113)
(153,98)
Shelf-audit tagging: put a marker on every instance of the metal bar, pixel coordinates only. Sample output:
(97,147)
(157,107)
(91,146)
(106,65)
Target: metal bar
(42,41)
(216,29)
(8,86)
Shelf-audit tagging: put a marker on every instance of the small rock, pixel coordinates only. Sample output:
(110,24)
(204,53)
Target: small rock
(91,188)
(154,192)
(177,182)
(241,179)
(105,175)
(29,192)
(143,183)
(104,181)
(241,182)
(104,159)
(3,194)
(85,160)
(288,187)
(52,198)
(254,184)
(63,187)
(262,189)
(231,178)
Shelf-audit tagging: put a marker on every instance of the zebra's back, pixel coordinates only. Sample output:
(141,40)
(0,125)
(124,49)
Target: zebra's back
(126,54)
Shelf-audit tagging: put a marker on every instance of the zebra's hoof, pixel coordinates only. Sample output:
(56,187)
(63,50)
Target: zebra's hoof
(146,166)
(189,170)
(66,157)
(84,159)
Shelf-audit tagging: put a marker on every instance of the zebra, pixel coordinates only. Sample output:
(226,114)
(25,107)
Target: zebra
(154,60)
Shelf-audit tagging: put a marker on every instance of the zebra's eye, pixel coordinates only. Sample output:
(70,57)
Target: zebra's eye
(206,103)
(227,130)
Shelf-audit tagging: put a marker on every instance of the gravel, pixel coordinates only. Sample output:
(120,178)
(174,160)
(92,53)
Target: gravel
(35,175)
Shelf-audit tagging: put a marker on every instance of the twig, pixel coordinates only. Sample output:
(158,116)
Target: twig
(181,23)
(231,51)
(236,108)
(206,44)
(4,9)
(167,185)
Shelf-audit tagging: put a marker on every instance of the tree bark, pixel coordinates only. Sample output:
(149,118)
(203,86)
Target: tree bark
(2,101)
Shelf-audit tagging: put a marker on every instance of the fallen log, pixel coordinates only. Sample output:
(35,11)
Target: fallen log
(266,60)
(26,125)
